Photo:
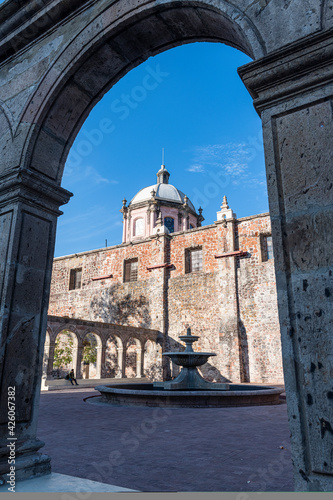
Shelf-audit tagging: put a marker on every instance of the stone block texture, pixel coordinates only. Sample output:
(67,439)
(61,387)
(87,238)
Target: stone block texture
(58,58)
(234,313)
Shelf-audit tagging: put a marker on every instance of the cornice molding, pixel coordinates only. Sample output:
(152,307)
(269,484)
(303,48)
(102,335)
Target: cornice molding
(27,186)
(301,66)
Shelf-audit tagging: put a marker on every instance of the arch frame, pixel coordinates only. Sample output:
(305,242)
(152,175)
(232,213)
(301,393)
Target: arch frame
(60,85)
(30,200)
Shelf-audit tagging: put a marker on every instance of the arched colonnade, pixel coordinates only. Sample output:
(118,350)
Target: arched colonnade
(127,342)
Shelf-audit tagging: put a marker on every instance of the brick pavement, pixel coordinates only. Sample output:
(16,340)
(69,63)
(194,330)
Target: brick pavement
(149,449)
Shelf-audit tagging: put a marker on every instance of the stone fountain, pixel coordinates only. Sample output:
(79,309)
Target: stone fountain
(189,389)
(189,377)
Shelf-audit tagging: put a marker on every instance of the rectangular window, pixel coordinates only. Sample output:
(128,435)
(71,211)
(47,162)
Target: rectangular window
(193,260)
(267,248)
(75,278)
(130,270)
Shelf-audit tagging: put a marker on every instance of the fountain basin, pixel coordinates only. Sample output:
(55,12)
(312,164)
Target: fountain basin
(147,395)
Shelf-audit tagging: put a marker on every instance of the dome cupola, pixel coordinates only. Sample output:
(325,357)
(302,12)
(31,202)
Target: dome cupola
(160,203)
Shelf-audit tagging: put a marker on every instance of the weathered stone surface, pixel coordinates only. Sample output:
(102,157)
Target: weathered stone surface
(327,14)
(291,43)
(298,143)
(231,304)
(27,239)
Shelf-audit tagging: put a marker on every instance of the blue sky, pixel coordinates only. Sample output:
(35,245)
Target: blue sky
(191,102)
(188,100)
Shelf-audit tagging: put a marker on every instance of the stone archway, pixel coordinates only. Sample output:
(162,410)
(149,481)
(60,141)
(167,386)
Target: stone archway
(114,357)
(133,358)
(63,356)
(91,366)
(152,360)
(51,79)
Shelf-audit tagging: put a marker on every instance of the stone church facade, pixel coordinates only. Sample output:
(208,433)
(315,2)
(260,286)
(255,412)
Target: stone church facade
(170,272)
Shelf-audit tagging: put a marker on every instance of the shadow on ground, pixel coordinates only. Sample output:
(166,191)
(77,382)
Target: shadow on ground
(155,449)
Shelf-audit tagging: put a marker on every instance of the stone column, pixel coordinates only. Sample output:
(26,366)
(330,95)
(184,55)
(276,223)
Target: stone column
(125,230)
(46,357)
(28,215)
(138,363)
(103,360)
(121,361)
(148,216)
(152,221)
(77,361)
(99,363)
(293,93)
(129,227)
(50,359)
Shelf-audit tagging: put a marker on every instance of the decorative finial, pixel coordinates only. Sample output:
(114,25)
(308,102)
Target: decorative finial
(159,221)
(185,200)
(162,156)
(124,209)
(200,217)
(188,332)
(224,205)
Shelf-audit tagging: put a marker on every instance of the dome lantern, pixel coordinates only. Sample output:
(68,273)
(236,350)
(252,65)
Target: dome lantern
(163,175)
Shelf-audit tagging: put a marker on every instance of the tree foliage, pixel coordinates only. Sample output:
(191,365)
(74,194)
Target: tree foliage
(90,349)
(63,352)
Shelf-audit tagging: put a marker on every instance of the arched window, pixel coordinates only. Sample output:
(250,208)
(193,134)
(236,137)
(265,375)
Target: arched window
(139,227)
(169,223)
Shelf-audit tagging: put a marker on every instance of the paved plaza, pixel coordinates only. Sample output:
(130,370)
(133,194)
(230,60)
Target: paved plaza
(156,449)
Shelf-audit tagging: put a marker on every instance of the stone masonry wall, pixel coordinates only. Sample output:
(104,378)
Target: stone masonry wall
(258,312)
(193,298)
(234,313)
(136,303)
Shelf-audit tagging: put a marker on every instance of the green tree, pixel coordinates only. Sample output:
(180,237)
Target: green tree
(90,349)
(63,351)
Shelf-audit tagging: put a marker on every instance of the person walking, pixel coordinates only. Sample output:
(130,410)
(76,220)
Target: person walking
(72,377)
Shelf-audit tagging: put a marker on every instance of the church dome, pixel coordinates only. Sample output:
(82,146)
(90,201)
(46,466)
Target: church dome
(163,191)
(159,209)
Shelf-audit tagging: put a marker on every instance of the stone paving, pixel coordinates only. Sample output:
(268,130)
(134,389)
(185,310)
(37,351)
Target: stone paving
(153,449)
